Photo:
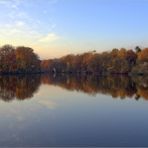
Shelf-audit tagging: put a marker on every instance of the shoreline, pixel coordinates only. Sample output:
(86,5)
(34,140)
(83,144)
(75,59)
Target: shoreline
(72,74)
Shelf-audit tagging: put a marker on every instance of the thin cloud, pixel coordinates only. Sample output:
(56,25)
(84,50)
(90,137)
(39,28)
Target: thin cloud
(23,28)
(49,38)
(11,3)
(4,2)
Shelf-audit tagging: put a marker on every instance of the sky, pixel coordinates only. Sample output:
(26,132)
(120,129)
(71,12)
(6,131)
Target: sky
(54,28)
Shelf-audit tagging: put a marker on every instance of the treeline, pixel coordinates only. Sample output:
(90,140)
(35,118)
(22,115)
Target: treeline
(117,61)
(18,60)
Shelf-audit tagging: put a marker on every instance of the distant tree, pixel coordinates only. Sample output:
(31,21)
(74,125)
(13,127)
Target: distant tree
(20,59)
(7,59)
(131,57)
(138,49)
(114,52)
(122,53)
(26,59)
(143,55)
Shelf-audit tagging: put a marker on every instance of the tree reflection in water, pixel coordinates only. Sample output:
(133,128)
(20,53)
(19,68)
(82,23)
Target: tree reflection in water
(19,87)
(24,87)
(116,86)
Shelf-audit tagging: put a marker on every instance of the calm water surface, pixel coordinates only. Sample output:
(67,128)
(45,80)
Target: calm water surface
(73,111)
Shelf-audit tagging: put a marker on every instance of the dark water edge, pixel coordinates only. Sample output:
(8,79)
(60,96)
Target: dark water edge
(75,73)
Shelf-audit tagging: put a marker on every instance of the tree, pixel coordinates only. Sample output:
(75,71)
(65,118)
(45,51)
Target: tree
(143,55)
(7,59)
(114,52)
(27,60)
(138,49)
(131,57)
(122,53)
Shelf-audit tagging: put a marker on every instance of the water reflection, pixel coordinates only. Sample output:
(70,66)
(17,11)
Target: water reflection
(24,87)
(19,87)
(116,86)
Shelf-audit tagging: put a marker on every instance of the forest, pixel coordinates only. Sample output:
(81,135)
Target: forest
(117,61)
(15,60)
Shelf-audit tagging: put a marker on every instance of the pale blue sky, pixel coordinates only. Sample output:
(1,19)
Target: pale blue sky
(58,27)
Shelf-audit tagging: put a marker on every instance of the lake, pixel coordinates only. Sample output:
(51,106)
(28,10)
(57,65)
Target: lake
(63,110)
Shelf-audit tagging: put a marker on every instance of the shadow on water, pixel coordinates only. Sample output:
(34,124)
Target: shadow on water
(24,86)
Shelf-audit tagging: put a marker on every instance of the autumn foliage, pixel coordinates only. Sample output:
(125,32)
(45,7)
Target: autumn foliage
(18,60)
(118,61)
